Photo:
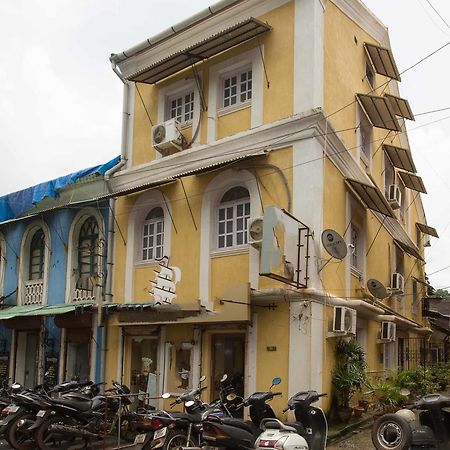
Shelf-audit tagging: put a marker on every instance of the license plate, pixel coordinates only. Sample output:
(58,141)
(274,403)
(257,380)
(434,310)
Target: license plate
(13,409)
(160,433)
(140,439)
(41,413)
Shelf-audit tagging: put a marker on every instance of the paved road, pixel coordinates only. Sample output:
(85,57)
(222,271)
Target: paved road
(360,440)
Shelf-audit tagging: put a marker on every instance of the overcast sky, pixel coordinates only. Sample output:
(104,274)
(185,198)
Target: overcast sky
(60,102)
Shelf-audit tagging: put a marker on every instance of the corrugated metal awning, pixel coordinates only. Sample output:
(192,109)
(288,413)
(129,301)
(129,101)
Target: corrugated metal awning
(408,249)
(400,157)
(379,111)
(213,45)
(412,181)
(426,229)
(382,60)
(400,106)
(371,196)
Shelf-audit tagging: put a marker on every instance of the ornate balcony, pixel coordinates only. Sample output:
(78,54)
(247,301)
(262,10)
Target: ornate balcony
(34,292)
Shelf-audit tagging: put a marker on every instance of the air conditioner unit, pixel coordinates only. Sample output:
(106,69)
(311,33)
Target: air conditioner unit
(394,196)
(255,231)
(397,283)
(167,137)
(388,331)
(344,320)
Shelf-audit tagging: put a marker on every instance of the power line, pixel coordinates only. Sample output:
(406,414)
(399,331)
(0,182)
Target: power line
(437,12)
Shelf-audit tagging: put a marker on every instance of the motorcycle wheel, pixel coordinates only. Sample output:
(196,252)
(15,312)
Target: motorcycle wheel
(46,439)
(176,439)
(16,438)
(391,432)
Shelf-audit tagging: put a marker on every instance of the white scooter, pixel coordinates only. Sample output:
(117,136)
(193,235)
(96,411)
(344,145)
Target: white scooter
(308,432)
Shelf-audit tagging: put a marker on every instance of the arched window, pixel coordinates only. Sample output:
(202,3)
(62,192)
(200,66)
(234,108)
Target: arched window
(88,254)
(37,258)
(153,235)
(233,215)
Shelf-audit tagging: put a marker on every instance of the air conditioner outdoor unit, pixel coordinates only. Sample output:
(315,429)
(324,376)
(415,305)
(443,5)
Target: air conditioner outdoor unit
(344,320)
(167,137)
(255,231)
(394,196)
(397,283)
(388,331)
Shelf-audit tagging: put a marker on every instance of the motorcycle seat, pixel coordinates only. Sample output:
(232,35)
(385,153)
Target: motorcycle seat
(246,426)
(186,416)
(298,427)
(81,405)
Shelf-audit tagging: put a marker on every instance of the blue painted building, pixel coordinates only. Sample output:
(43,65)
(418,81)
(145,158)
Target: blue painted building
(54,277)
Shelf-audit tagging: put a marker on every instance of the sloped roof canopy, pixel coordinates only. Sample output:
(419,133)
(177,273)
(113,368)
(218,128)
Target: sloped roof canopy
(412,181)
(382,60)
(408,249)
(426,229)
(379,111)
(400,106)
(371,196)
(217,43)
(400,157)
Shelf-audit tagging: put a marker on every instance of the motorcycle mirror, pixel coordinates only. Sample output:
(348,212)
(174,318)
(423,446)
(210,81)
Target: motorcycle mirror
(276,381)
(224,377)
(405,392)
(231,396)
(165,395)
(189,403)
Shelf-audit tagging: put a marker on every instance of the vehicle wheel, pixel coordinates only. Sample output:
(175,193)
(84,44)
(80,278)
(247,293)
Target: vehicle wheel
(391,432)
(18,439)
(48,439)
(175,440)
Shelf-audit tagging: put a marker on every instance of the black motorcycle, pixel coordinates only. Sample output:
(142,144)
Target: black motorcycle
(398,431)
(77,420)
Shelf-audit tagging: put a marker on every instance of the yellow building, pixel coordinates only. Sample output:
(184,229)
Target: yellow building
(274,115)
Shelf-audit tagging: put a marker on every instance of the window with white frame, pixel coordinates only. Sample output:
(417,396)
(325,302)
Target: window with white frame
(153,235)
(237,88)
(389,174)
(355,242)
(232,218)
(365,138)
(88,254)
(181,107)
(36,256)
(370,74)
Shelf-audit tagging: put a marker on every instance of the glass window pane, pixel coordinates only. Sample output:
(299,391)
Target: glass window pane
(229,240)
(221,213)
(229,226)
(221,241)
(221,228)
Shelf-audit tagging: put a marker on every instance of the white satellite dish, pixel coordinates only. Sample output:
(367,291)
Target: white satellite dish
(334,244)
(377,288)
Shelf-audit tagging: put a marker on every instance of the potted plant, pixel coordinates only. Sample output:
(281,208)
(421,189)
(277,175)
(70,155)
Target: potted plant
(349,375)
(385,397)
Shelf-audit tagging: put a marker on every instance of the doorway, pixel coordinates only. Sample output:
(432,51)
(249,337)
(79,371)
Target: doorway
(27,357)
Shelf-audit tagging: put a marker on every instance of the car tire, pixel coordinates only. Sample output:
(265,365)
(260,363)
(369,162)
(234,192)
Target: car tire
(391,432)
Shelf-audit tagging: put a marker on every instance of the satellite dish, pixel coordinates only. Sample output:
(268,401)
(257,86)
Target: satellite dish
(334,244)
(377,288)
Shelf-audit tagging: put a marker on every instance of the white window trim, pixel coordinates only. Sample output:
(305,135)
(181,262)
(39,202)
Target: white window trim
(182,94)
(143,205)
(72,254)
(211,198)
(176,89)
(222,110)
(250,60)
(25,260)
(154,221)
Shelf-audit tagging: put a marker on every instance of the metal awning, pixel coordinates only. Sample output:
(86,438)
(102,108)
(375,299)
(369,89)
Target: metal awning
(400,106)
(371,196)
(379,111)
(400,157)
(426,229)
(217,43)
(412,181)
(42,310)
(382,61)
(408,249)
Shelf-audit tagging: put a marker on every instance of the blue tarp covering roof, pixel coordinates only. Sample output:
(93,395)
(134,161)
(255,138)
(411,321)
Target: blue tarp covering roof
(17,203)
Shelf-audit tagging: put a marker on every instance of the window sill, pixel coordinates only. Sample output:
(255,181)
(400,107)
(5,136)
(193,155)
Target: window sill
(231,251)
(234,108)
(153,263)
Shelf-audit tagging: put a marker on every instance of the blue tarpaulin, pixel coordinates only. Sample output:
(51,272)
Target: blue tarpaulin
(17,203)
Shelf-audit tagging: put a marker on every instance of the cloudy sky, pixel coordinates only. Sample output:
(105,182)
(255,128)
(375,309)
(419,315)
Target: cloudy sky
(60,102)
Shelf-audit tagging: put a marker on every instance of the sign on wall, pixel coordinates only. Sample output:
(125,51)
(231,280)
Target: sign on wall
(164,284)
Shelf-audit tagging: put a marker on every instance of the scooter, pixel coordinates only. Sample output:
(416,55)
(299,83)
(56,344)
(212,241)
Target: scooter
(308,432)
(399,431)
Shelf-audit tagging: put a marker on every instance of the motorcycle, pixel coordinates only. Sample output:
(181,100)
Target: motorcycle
(69,421)
(399,431)
(231,433)
(308,432)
